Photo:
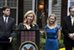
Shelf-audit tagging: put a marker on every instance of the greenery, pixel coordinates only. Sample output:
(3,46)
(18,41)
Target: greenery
(14,42)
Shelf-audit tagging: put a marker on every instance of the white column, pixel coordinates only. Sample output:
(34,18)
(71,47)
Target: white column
(6,3)
(33,5)
(17,13)
(49,7)
(68,7)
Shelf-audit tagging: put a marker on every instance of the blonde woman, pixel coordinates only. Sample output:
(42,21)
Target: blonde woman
(53,31)
(29,21)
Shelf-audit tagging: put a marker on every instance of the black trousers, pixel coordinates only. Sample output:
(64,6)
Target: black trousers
(69,43)
(5,46)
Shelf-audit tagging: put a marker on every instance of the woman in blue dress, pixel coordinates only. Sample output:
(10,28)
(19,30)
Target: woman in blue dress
(53,31)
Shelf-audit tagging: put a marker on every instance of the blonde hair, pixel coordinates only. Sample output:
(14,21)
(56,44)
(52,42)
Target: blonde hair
(49,17)
(30,12)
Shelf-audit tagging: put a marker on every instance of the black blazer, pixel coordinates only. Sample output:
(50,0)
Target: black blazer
(23,27)
(67,26)
(6,29)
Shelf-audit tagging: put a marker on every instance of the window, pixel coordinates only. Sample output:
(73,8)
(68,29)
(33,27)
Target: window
(2,3)
(12,3)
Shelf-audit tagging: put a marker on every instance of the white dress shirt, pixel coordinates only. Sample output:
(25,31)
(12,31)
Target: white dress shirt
(72,20)
(6,19)
(27,26)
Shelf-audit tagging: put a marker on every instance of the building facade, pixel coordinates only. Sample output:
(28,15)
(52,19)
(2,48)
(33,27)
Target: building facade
(19,7)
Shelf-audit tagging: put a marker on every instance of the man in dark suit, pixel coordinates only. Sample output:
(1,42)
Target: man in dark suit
(6,28)
(68,29)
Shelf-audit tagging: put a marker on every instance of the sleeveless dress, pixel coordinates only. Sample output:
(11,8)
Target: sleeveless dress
(52,38)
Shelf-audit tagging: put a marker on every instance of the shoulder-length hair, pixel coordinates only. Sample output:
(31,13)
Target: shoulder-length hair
(51,16)
(34,15)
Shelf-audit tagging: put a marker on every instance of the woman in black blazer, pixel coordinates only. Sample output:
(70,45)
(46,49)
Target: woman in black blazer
(29,21)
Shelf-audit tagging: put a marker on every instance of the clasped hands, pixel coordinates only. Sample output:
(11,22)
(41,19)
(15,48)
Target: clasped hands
(71,35)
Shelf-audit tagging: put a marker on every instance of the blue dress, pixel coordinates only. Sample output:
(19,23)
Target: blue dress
(52,38)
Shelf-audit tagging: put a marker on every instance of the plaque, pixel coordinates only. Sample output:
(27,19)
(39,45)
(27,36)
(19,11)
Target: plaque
(28,45)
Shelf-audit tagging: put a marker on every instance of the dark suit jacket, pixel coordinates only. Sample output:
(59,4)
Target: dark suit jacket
(6,29)
(67,26)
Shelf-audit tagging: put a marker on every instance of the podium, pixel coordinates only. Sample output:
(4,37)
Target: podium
(32,36)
